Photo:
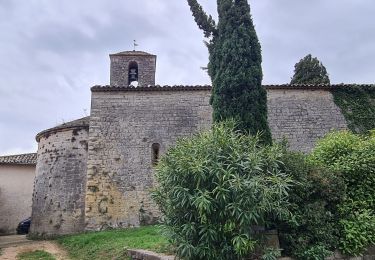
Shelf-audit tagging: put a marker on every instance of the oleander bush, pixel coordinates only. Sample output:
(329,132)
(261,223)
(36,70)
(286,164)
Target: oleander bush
(354,157)
(215,190)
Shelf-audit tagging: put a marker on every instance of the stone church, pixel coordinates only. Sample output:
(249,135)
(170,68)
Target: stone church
(96,172)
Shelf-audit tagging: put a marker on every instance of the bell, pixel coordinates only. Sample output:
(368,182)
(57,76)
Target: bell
(133,74)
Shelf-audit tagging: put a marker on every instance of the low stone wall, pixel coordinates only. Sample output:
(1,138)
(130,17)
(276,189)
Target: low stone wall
(147,255)
(135,254)
(368,255)
(338,256)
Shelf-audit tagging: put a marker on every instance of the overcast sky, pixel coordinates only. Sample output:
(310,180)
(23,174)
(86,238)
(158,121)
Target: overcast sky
(53,51)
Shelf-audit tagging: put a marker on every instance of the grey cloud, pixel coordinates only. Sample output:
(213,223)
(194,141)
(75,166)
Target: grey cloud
(52,52)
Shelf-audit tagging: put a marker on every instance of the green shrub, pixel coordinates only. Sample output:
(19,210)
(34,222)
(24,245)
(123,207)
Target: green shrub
(214,188)
(358,231)
(318,252)
(354,157)
(271,254)
(313,229)
(334,149)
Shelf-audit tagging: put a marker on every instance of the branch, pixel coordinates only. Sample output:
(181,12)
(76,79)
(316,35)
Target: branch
(205,22)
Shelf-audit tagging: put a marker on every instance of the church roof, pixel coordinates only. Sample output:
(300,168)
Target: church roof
(208,87)
(20,159)
(79,123)
(317,86)
(132,53)
(150,88)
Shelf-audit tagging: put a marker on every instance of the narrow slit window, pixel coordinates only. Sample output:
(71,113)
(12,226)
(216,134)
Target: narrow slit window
(155,154)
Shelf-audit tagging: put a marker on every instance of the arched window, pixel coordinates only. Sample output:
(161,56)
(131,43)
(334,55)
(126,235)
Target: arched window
(155,154)
(133,72)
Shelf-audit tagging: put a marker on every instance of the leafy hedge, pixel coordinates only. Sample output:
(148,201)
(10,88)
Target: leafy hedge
(354,157)
(312,233)
(358,106)
(216,188)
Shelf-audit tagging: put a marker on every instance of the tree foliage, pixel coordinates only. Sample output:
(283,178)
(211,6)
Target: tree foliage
(310,70)
(235,66)
(214,188)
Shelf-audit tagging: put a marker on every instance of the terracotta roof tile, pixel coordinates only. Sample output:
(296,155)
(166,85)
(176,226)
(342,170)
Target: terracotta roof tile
(22,159)
(150,88)
(208,87)
(316,86)
(132,53)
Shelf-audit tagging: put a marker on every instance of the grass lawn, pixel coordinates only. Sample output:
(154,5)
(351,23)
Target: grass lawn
(112,244)
(35,255)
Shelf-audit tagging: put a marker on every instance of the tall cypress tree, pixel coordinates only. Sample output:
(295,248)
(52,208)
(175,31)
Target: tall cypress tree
(235,66)
(310,70)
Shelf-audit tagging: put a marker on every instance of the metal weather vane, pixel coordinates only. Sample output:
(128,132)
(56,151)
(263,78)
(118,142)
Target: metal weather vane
(135,44)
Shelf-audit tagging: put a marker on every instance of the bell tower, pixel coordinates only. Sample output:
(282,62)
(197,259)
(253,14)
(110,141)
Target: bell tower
(136,68)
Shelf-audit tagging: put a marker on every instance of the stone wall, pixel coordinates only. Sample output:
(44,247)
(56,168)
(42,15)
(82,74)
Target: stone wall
(16,188)
(302,115)
(135,254)
(123,128)
(126,122)
(58,198)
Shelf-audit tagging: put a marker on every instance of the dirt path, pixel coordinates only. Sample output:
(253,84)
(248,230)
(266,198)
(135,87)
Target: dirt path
(10,253)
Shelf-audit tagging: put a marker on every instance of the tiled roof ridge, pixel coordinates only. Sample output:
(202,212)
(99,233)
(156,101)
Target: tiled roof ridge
(209,87)
(150,88)
(131,53)
(316,86)
(83,122)
(21,159)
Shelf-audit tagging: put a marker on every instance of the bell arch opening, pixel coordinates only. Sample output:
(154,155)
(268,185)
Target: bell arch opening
(133,72)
